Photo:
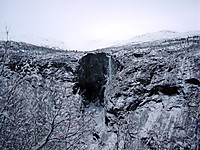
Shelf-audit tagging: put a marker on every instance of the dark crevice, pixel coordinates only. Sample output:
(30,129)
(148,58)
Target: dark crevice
(165,89)
(115,112)
(138,55)
(193,81)
(95,136)
(107,120)
(133,105)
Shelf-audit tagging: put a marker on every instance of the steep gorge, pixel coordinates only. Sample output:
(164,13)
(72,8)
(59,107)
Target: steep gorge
(148,95)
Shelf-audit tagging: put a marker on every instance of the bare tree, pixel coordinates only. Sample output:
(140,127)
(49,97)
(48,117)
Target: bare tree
(38,113)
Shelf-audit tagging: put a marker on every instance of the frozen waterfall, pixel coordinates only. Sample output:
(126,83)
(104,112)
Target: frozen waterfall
(109,69)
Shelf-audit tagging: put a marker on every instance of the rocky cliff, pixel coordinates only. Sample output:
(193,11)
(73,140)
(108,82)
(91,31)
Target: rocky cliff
(154,101)
(132,97)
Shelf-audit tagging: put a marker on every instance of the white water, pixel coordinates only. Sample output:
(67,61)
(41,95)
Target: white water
(110,69)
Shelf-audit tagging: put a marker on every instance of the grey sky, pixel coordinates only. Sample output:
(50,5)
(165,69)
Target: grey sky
(89,24)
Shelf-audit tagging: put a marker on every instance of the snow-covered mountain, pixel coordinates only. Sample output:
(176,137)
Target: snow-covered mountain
(161,35)
(38,39)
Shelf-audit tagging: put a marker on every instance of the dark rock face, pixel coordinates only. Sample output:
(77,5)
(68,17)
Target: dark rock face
(93,74)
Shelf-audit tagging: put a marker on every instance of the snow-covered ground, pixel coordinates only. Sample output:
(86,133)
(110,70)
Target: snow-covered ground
(161,35)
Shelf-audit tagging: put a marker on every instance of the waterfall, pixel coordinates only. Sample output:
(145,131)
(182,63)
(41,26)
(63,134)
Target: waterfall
(109,69)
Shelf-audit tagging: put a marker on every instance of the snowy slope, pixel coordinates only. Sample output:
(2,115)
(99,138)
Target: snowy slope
(41,40)
(161,35)
(36,39)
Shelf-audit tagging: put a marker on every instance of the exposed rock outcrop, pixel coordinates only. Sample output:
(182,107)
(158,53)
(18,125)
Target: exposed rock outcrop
(152,102)
(93,73)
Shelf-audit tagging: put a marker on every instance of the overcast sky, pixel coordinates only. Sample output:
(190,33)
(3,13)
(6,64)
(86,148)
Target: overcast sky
(89,24)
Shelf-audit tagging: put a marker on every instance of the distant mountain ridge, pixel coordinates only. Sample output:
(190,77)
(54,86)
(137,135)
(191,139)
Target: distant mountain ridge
(37,39)
(161,35)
